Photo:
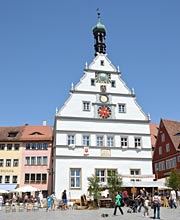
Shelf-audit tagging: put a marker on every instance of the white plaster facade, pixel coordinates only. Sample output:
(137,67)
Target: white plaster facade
(130,161)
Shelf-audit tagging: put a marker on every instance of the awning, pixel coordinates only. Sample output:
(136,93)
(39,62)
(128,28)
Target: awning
(144,184)
(8,187)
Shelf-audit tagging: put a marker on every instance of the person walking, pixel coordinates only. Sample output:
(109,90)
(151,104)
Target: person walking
(40,197)
(53,201)
(173,199)
(141,199)
(48,203)
(64,199)
(156,205)
(118,201)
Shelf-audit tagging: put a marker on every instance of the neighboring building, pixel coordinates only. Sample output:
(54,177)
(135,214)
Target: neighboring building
(10,157)
(37,157)
(166,156)
(101,129)
(153,131)
(26,157)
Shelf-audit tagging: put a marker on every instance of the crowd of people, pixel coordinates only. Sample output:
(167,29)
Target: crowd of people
(143,200)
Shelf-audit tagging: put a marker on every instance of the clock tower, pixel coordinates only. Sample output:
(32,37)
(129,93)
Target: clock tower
(99,32)
(101,129)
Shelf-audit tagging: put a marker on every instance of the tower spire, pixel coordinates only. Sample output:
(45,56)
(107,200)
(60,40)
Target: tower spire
(99,32)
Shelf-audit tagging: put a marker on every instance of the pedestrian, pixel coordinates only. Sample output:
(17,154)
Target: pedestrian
(141,199)
(64,199)
(48,203)
(40,197)
(146,207)
(173,199)
(118,201)
(53,201)
(1,201)
(156,205)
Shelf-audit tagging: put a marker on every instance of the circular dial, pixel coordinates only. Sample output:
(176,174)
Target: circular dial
(103,77)
(103,98)
(104,112)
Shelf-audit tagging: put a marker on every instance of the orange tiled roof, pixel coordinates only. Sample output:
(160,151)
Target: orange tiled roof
(173,129)
(154,131)
(26,133)
(6,133)
(37,133)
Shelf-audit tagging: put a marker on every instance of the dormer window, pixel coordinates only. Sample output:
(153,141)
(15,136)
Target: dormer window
(12,134)
(36,133)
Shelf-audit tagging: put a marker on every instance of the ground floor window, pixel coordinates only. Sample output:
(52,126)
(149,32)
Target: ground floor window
(105,174)
(75,177)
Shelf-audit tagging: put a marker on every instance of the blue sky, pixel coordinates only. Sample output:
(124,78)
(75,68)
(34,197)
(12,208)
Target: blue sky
(45,44)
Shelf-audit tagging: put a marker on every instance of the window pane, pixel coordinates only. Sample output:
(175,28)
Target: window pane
(16,146)
(45,161)
(9,146)
(86,140)
(110,141)
(70,139)
(75,175)
(15,162)
(39,160)
(2,146)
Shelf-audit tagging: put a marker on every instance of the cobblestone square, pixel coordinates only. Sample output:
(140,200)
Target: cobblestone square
(42,214)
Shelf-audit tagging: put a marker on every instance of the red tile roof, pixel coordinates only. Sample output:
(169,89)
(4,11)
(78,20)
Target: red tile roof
(37,133)
(154,131)
(26,133)
(173,129)
(6,131)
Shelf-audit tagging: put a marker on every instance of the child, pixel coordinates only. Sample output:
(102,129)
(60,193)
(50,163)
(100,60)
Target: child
(146,208)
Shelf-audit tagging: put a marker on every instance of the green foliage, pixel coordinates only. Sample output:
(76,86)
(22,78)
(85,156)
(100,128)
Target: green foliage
(114,183)
(174,180)
(94,188)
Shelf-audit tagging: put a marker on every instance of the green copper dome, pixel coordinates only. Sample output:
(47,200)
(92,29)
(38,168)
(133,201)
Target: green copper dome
(99,26)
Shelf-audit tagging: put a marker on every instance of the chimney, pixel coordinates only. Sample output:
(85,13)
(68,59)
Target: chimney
(44,123)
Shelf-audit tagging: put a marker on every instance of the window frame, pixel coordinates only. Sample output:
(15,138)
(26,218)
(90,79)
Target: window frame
(100,143)
(86,140)
(122,108)
(124,141)
(86,106)
(77,184)
(8,162)
(70,139)
(138,142)
(110,141)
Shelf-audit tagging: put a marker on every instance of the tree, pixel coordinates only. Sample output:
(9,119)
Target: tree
(94,188)
(174,180)
(114,183)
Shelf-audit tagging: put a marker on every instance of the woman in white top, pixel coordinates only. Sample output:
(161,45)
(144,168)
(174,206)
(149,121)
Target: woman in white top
(157,203)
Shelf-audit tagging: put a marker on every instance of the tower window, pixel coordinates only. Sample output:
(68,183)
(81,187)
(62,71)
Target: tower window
(92,82)
(122,108)
(102,62)
(113,83)
(86,106)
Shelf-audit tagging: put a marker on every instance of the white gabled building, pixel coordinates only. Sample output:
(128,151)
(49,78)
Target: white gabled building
(101,128)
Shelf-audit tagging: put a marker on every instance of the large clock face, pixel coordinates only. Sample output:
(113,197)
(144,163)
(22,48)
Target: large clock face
(103,77)
(104,112)
(103,98)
